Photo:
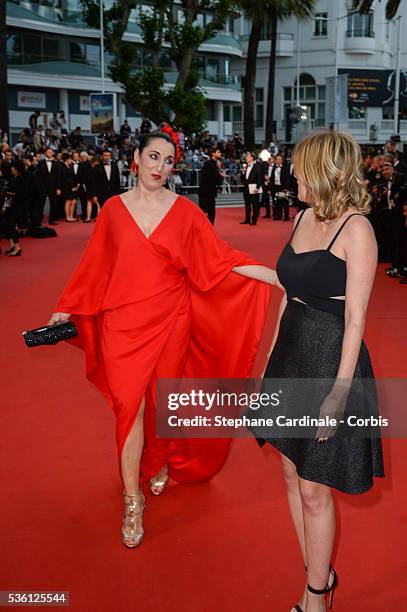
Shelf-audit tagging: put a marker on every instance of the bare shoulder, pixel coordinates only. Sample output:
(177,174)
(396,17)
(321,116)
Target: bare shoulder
(302,213)
(359,241)
(359,228)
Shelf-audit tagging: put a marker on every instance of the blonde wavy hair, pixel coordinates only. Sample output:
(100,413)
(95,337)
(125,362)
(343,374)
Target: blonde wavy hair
(330,166)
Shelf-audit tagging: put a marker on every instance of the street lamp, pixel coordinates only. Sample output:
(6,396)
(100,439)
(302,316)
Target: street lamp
(397,83)
(102,47)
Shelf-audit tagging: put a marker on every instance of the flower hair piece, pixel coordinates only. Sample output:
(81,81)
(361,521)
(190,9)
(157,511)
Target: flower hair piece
(165,127)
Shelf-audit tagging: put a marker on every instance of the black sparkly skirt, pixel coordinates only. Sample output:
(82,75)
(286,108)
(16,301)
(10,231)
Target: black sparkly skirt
(309,345)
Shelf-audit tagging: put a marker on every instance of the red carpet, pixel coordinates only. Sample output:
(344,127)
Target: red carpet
(223,546)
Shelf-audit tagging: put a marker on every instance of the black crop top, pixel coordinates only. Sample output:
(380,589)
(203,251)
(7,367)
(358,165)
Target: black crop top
(314,277)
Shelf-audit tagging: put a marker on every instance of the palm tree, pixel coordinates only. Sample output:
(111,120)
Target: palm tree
(365,6)
(4,118)
(261,13)
(279,10)
(255,10)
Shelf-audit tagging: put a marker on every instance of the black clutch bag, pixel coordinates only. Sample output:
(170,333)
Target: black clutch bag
(50,334)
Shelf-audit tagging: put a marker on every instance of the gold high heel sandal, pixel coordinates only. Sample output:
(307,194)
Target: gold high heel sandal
(132,526)
(159,481)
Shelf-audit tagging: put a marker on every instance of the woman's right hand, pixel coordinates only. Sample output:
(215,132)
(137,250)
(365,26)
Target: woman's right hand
(58,317)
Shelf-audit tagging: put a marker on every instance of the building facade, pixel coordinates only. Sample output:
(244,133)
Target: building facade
(334,41)
(54,64)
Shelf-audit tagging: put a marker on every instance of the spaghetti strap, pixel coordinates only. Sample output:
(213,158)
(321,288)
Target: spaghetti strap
(298,222)
(341,228)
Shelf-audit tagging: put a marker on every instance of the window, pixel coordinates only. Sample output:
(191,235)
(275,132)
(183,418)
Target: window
(287,94)
(259,116)
(32,48)
(14,48)
(93,55)
(266,31)
(237,113)
(320,24)
(311,95)
(164,59)
(360,25)
(202,19)
(147,58)
(76,52)
(50,48)
(212,69)
(226,112)
(210,110)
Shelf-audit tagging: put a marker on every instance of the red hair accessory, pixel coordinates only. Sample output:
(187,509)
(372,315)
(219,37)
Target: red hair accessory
(165,127)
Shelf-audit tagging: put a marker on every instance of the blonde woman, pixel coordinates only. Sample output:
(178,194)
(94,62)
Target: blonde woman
(327,269)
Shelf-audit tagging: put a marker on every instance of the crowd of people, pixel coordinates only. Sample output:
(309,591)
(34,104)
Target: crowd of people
(386,179)
(76,179)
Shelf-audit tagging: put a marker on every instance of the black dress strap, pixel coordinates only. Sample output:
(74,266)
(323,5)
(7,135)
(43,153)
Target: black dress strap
(298,222)
(341,228)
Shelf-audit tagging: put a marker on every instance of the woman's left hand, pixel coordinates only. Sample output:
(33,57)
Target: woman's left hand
(332,409)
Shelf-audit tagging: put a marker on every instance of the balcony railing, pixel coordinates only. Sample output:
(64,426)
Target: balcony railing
(52,13)
(238,126)
(222,79)
(360,34)
(267,36)
(27,59)
(357,124)
(387,125)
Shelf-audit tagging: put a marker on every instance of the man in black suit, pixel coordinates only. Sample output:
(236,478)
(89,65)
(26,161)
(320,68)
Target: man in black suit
(399,158)
(48,177)
(210,178)
(106,179)
(281,183)
(396,185)
(252,181)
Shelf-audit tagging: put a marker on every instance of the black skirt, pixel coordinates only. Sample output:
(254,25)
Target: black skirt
(309,345)
(69,195)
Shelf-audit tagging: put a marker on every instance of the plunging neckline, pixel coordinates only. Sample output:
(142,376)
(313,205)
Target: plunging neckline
(158,224)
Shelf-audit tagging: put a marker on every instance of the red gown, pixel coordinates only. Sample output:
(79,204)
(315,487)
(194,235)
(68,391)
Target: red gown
(165,306)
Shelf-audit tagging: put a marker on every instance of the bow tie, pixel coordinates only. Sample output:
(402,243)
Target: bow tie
(106,163)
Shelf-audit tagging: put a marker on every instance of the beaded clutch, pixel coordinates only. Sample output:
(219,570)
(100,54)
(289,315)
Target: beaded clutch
(49,334)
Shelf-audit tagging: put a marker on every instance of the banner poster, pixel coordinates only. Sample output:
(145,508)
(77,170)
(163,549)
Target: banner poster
(101,112)
(375,87)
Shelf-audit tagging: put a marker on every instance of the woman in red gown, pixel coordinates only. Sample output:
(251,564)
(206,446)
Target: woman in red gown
(156,295)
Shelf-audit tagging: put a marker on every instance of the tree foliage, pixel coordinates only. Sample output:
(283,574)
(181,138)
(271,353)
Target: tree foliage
(145,87)
(365,6)
(262,12)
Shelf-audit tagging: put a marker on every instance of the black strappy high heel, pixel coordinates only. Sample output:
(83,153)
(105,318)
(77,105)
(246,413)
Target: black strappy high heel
(298,608)
(327,589)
